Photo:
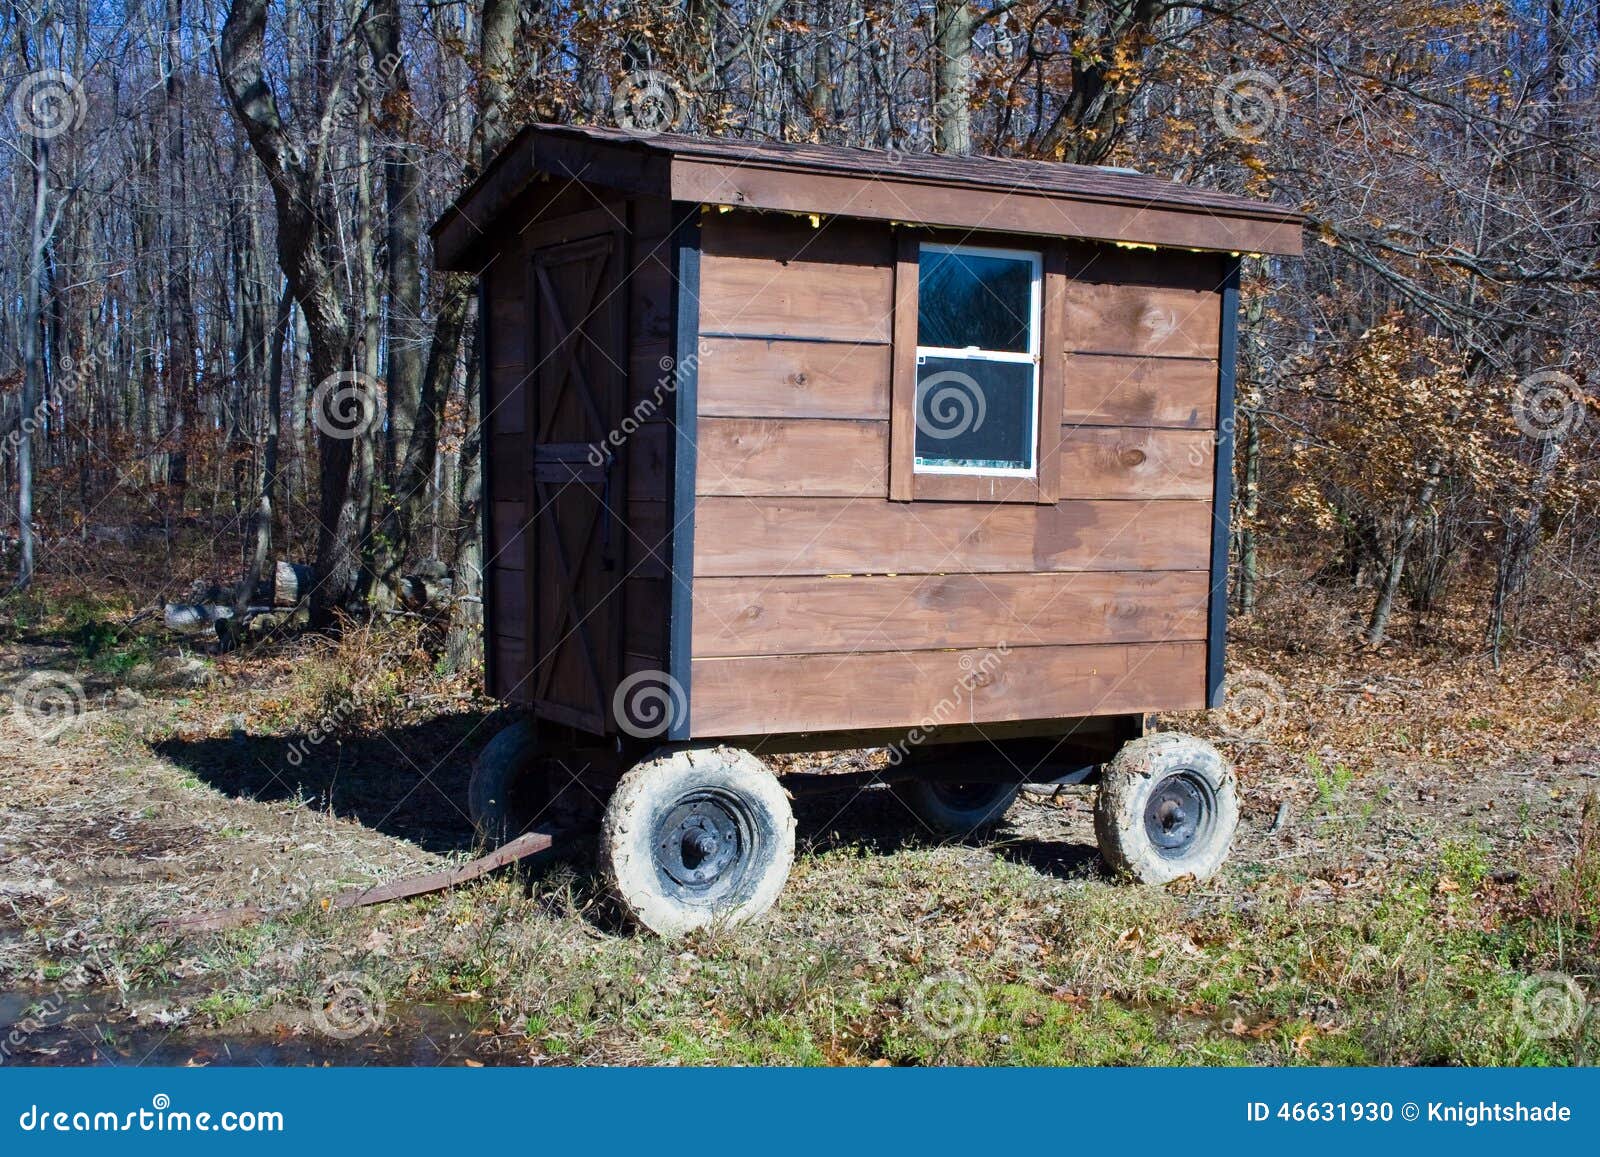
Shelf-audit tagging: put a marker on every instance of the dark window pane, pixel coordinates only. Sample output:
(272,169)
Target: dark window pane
(967,300)
(975,413)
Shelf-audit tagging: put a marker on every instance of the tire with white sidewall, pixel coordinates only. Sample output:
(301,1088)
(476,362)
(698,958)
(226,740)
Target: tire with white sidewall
(1168,807)
(695,837)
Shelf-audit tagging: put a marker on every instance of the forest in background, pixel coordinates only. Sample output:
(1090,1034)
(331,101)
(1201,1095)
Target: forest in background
(222,343)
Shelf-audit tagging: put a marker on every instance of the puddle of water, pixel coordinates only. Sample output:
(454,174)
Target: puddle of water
(40,1027)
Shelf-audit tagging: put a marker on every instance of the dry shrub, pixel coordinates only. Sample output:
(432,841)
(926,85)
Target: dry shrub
(1299,615)
(373,676)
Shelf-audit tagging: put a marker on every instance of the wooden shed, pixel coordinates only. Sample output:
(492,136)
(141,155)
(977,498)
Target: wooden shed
(705,455)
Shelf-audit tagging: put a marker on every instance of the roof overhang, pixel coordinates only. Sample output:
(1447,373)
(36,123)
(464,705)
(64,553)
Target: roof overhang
(1000,197)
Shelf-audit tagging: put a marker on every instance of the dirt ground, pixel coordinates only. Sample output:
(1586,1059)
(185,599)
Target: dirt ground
(1415,880)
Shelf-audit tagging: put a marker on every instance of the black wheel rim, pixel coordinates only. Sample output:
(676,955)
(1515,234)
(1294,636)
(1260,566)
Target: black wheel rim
(1179,814)
(704,845)
(968,797)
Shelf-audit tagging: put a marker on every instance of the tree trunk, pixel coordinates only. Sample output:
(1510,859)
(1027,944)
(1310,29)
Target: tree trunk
(954,24)
(297,175)
(269,456)
(32,362)
(412,427)
(1521,539)
(1378,624)
(1249,507)
(466,622)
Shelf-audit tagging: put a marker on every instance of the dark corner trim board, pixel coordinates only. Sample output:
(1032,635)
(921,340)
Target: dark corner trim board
(485,495)
(686,364)
(1222,503)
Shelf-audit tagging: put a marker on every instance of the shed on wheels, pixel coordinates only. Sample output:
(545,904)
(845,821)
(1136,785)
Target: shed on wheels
(794,447)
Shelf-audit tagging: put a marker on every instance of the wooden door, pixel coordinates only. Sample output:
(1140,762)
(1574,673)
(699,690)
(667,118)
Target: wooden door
(580,382)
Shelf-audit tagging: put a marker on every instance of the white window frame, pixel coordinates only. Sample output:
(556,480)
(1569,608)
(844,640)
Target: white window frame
(973,353)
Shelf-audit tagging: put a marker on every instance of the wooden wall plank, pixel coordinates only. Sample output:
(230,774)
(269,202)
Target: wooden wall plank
(782,693)
(508,326)
(507,549)
(645,632)
(774,278)
(761,298)
(510,667)
(1104,390)
(774,457)
(1123,462)
(753,378)
(648,451)
(649,538)
(508,399)
(771,536)
(1141,320)
(776,616)
(779,456)
(508,609)
(650,290)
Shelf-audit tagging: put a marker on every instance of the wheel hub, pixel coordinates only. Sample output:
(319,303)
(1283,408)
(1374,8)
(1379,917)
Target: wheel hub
(699,842)
(1177,813)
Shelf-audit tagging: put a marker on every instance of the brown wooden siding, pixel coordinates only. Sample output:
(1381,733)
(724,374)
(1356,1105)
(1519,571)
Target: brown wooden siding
(799,456)
(905,688)
(1114,390)
(505,551)
(819,604)
(773,536)
(745,378)
(775,616)
(780,457)
(779,277)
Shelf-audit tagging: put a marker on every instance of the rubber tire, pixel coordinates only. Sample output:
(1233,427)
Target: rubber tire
(509,756)
(950,820)
(1125,788)
(653,787)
